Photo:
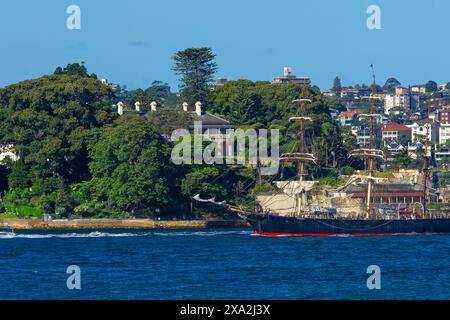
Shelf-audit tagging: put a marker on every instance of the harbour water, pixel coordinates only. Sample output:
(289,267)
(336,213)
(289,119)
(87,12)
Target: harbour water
(221,264)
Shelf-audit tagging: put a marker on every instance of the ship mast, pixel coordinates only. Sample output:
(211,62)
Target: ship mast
(300,157)
(370,152)
(371,146)
(426,160)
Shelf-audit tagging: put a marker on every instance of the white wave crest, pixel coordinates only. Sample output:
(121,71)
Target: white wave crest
(98,234)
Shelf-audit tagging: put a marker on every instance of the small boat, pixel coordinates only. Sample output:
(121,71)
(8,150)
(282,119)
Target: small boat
(7,231)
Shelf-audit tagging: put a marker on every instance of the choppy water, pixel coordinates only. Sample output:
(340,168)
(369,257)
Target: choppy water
(221,264)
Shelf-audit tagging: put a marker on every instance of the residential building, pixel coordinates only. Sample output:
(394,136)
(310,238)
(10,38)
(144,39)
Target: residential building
(442,153)
(412,150)
(394,132)
(444,116)
(419,89)
(289,77)
(419,129)
(444,133)
(347,118)
(401,90)
(393,148)
(221,82)
(402,100)
(355,92)
(362,134)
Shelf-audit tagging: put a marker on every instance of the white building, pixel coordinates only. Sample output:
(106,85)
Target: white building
(401,100)
(419,89)
(444,133)
(419,130)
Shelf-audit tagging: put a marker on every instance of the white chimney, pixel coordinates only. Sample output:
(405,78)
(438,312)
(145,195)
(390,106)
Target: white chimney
(198,108)
(185,106)
(120,108)
(137,106)
(153,106)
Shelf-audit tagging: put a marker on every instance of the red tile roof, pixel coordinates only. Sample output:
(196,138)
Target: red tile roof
(395,127)
(350,114)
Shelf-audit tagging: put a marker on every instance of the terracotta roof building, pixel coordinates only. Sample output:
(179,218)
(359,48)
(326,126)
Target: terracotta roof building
(395,131)
(346,118)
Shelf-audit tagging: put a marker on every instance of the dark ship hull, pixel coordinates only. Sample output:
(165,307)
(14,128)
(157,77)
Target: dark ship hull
(272,225)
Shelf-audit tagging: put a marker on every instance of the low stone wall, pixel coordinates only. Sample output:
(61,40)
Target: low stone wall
(30,224)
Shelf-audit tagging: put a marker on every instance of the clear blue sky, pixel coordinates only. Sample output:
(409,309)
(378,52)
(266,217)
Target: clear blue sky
(131,42)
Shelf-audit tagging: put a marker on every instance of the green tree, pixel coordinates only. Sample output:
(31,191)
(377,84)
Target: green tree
(337,86)
(403,159)
(130,167)
(196,66)
(431,86)
(243,110)
(166,121)
(75,69)
(201,181)
(49,121)
(160,91)
(391,84)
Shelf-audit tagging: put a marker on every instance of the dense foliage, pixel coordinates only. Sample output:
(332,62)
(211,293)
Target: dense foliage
(76,156)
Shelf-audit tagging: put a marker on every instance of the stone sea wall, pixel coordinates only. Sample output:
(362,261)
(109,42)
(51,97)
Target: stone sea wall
(30,224)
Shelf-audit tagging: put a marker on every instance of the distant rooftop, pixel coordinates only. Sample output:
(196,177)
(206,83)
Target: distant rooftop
(289,77)
(395,127)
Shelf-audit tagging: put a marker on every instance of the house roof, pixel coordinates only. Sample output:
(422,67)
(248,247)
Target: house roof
(395,127)
(211,121)
(352,113)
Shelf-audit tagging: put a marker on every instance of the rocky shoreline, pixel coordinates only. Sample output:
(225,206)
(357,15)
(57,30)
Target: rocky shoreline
(81,224)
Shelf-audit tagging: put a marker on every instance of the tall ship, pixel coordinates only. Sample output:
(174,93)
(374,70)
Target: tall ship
(381,208)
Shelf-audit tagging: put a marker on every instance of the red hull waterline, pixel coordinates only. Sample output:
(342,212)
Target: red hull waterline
(372,234)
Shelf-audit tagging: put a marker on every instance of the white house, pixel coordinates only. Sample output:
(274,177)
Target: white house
(444,133)
(419,130)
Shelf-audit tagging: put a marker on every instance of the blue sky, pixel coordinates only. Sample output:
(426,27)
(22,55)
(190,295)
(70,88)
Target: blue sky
(131,42)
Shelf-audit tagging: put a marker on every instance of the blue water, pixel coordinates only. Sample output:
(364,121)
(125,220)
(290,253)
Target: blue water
(221,264)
